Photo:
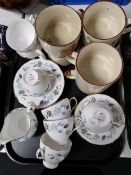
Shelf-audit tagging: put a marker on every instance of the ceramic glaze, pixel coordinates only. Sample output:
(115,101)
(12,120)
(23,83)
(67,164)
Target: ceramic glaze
(57,84)
(108,135)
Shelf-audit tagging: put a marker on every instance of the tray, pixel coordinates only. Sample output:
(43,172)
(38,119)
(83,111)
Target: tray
(126,53)
(82,152)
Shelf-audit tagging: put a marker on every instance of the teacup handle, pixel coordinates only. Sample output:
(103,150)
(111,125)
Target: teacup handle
(74,99)
(77,118)
(40,154)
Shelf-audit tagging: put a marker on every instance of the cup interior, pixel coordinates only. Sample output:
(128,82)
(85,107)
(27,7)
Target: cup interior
(99,64)
(20,35)
(48,142)
(104,20)
(62,26)
(97,117)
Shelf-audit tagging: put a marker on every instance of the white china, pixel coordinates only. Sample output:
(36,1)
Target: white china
(36,82)
(47,99)
(51,152)
(109,115)
(60,110)
(104,22)
(21,36)
(60,32)
(18,124)
(59,130)
(98,66)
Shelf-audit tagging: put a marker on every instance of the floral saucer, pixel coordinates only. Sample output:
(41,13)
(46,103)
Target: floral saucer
(107,136)
(57,84)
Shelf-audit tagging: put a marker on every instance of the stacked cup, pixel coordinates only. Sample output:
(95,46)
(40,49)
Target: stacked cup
(55,144)
(58,121)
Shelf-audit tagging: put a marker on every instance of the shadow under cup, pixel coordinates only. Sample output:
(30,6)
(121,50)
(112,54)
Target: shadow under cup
(98,66)
(60,31)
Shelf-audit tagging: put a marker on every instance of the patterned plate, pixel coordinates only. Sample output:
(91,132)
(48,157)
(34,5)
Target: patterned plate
(48,99)
(106,137)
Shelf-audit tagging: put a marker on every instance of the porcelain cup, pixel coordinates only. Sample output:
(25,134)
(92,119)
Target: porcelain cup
(21,37)
(98,66)
(36,82)
(60,32)
(51,152)
(60,130)
(105,22)
(60,110)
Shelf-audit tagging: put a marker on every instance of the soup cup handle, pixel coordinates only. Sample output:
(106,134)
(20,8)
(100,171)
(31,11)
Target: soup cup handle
(40,153)
(74,99)
(70,74)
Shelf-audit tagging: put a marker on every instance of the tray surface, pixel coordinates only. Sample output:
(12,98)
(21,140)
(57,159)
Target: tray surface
(82,152)
(126,53)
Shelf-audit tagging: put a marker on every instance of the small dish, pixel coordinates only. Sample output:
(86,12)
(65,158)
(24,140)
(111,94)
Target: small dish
(108,135)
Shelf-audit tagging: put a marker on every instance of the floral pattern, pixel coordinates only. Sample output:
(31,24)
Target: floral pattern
(104,137)
(50,97)
(60,127)
(61,109)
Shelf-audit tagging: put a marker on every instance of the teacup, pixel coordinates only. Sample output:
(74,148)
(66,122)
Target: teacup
(104,22)
(60,32)
(98,66)
(51,152)
(97,117)
(36,82)
(59,110)
(60,130)
(21,37)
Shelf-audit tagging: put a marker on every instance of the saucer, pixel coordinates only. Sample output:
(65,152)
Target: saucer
(107,136)
(57,84)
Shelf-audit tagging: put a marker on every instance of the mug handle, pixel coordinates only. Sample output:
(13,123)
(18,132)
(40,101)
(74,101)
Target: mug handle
(72,58)
(73,98)
(40,153)
(70,74)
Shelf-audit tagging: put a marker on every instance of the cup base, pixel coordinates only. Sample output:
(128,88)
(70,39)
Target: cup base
(60,61)
(49,165)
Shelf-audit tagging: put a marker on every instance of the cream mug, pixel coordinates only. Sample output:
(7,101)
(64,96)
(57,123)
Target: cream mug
(21,37)
(104,22)
(60,32)
(98,65)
